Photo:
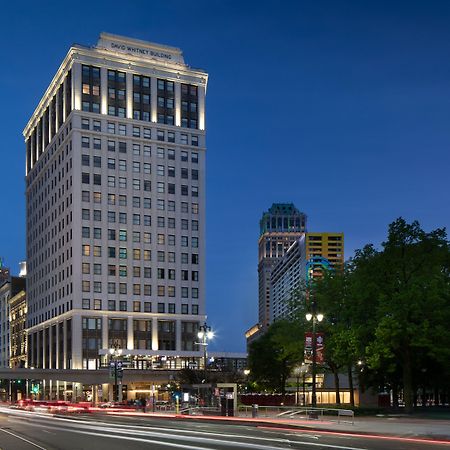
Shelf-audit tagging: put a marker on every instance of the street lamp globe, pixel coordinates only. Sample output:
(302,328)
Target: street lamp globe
(320,317)
(308,316)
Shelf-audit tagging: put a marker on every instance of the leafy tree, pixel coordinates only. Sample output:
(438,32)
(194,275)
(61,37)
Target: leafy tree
(272,356)
(412,302)
(343,347)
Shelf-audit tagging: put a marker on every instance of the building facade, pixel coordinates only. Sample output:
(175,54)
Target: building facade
(115,191)
(303,262)
(324,251)
(288,281)
(280,227)
(8,290)
(17,330)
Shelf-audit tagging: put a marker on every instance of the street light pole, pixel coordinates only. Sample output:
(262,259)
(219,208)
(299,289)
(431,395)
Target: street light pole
(315,317)
(314,365)
(115,352)
(204,334)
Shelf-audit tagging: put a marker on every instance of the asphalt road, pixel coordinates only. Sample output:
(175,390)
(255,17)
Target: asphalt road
(20,430)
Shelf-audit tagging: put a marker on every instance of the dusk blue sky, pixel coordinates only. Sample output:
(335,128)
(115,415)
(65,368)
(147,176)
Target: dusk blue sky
(341,107)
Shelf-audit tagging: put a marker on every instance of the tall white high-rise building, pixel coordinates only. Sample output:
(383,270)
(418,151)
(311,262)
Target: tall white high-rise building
(115,192)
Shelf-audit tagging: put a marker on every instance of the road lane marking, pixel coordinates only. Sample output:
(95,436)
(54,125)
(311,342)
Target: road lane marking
(117,433)
(98,426)
(22,439)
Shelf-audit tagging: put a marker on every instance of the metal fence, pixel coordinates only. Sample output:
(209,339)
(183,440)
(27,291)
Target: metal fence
(298,413)
(277,412)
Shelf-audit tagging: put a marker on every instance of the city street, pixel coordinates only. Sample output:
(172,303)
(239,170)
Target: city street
(21,430)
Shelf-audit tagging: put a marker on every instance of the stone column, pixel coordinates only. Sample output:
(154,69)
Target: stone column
(178,335)
(64,350)
(76,86)
(201,107)
(104,90)
(64,100)
(154,333)
(130,333)
(56,363)
(77,354)
(44,344)
(177,104)
(129,95)
(154,99)
(57,111)
(105,333)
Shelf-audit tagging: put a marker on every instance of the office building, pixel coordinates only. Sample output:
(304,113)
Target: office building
(9,289)
(303,262)
(17,329)
(288,281)
(115,192)
(324,251)
(280,227)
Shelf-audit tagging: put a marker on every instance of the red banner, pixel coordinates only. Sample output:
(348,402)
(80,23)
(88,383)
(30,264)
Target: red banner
(309,348)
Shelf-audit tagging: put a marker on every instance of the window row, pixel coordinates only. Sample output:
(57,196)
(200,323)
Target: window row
(146,133)
(138,306)
(162,291)
(122,201)
(145,150)
(138,254)
(138,271)
(137,236)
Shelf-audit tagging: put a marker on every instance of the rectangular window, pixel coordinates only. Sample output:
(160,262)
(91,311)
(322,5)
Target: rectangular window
(97,197)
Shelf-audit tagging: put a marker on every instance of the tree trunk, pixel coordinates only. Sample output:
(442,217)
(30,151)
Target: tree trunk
(337,387)
(350,384)
(407,382)
(436,396)
(395,395)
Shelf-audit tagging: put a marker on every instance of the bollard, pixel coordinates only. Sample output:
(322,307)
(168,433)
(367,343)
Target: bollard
(254,411)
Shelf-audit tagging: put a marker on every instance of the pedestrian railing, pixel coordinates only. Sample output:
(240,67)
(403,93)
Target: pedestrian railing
(299,413)
(273,412)
(201,411)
